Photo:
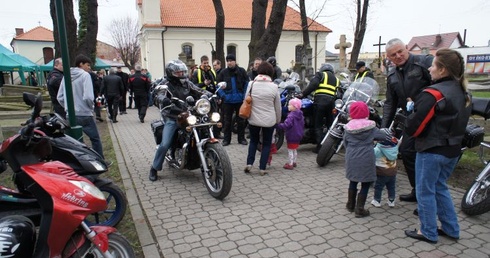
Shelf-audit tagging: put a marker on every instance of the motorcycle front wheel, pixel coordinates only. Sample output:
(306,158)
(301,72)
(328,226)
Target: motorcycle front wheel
(219,177)
(327,150)
(119,246)
(476,200)
(116,207)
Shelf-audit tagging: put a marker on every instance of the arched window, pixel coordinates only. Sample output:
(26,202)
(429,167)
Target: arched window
(298,54)
(187,49)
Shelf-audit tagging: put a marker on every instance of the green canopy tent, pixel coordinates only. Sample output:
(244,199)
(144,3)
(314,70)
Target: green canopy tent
(16,63)
(99,64)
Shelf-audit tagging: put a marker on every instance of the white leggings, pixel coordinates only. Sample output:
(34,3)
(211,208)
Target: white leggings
(292,155)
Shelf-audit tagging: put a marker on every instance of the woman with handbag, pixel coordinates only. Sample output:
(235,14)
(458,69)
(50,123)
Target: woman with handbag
(264,115)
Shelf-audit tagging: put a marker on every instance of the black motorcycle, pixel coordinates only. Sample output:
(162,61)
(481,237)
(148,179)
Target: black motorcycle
(194,145)
(366,91)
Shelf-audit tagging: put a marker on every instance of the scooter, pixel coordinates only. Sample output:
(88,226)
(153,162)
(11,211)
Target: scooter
(85,161)
(65,200)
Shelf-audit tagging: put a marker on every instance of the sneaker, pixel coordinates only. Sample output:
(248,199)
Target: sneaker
(247,169)
(375,203)
(288,166)
(391,203)
(263,172)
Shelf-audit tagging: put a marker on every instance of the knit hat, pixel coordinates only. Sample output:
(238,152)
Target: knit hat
(360,64)
(230,57)
(358,110)
(296,103)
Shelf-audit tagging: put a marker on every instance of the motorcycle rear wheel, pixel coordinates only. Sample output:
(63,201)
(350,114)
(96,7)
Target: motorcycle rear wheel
(327,150)
(476,200)
(116,207)
(220,177)
(119,246)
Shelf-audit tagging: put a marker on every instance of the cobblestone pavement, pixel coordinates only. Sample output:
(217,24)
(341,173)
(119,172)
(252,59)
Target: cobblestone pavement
(299,213)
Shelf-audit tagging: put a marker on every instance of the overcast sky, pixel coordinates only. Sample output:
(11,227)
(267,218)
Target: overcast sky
(387,18)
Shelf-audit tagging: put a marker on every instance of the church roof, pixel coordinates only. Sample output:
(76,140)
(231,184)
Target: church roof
(238,15)
(38,33)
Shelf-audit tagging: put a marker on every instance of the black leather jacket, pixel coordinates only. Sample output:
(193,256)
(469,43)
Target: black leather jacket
(181,91)
(112,85)
(405,82)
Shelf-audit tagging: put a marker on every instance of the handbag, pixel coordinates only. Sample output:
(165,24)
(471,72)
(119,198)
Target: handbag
(246,107)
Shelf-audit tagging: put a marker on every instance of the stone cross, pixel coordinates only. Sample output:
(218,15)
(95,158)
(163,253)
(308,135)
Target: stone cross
(343,45)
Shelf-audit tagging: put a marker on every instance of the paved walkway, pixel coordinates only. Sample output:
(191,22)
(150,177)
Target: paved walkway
(298,213)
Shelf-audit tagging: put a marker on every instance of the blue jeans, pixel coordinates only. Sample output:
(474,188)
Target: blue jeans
(381,182)
(433,197)
(168,132)
(267,133)
(90,129)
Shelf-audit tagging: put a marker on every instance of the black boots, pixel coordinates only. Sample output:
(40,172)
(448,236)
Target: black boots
(351,201)
(411,197)
(360,211)
(153,174)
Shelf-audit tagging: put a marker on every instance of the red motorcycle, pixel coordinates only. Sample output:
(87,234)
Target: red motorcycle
(65,200)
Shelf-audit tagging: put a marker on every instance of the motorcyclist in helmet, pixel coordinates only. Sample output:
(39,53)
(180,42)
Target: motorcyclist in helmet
(180,87)
(277,70)
(324,87)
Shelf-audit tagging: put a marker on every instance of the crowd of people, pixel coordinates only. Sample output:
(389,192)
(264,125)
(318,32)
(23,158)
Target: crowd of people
(430,90)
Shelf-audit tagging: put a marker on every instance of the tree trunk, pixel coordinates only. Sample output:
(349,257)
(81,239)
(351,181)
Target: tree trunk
(71,29)
(362,11)
(88,28)
(259,11)
(220,31)
(267,45)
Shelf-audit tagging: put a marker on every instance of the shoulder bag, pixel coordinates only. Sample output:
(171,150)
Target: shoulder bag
(246,108)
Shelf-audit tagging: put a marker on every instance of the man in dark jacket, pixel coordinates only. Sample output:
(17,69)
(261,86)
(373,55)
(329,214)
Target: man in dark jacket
(362,71)
(405,82)
(124,77)
(139,85)
(54,80)
(324,87)
(236,79)
(113,90)
(253,72)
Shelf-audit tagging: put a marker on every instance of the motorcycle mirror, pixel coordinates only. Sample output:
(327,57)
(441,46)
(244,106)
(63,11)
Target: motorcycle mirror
(29,99)
(35,101)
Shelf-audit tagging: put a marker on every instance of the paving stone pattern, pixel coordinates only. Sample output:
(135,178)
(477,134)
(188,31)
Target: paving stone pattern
(298,213)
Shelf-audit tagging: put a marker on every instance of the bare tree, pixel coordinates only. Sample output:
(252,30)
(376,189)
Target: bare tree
(220,31)
(124,34)
(264,41)
(360,30)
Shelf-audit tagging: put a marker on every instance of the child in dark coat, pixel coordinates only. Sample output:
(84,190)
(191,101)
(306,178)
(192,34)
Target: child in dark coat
(360,166)
(294,129)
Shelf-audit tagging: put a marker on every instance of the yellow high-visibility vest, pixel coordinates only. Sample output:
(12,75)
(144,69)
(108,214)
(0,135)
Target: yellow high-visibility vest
(325,88)
(199,76)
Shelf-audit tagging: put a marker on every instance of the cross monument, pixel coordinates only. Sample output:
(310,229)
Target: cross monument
(342,46)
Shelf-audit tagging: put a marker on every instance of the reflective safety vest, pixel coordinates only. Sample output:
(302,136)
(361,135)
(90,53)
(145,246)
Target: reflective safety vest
(362,77)
(325,88)
(200,77)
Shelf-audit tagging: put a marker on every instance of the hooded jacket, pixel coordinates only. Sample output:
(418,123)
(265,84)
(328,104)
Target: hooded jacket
(360,162)
(293,126)
(385,159)
(83,92)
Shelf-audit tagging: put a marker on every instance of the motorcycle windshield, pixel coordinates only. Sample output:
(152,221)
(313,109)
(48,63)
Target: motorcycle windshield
(366,91)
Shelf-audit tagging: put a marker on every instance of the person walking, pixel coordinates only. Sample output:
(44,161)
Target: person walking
(405,82)
(139,85)
(360,166)
(180,87)
(236,79)
(124,77)
(266,113)
(53,81)
(113,90)
(294,127)
(324,86)
(386,153)
(83,98)
(438,125)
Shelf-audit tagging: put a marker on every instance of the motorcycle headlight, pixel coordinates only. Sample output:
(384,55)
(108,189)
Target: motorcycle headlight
(203,106)
(97,165)
(215,117)
(191,120)
(339,103)
(89,188)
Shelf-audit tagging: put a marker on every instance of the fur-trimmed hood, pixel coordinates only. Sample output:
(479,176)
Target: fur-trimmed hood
(356,126)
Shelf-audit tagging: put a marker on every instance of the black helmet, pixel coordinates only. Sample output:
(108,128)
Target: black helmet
(272,60)
(326,67)
(18,236)
(173,67)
